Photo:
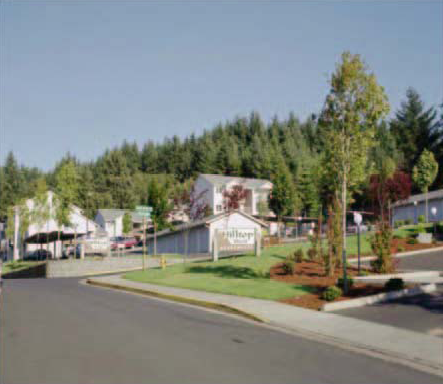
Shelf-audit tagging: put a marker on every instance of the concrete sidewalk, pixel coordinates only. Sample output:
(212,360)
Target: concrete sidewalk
(411,348)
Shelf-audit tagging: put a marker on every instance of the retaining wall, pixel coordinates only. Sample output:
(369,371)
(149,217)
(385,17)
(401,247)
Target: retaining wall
(85,267)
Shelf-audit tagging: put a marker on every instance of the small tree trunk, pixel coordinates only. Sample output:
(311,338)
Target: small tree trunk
(345,283)
(426,205)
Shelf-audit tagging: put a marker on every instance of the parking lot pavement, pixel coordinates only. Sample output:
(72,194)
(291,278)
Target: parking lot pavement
(431,261)
(422,313)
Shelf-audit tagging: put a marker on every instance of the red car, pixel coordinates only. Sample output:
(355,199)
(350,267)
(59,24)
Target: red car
(129,242)
(121,242)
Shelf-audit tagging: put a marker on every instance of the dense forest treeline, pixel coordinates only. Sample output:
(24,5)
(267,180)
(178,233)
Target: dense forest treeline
(245,146)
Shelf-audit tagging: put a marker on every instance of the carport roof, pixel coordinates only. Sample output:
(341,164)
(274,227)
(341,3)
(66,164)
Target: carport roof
(49,237)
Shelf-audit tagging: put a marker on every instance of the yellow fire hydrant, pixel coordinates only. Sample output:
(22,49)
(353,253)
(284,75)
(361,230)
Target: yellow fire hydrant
(163,262)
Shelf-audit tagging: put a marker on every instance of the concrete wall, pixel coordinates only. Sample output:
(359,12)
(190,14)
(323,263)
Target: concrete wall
(77,268)
(412,212)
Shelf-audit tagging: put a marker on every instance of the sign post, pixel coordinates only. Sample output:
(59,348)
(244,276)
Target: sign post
(145,211)
(357,221)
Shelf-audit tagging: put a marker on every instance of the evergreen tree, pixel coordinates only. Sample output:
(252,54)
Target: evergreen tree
(11,185)
(414,129)
(149,158)
(282,199)
(118,181)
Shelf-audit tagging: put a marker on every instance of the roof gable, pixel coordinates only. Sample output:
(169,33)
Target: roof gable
(220,180)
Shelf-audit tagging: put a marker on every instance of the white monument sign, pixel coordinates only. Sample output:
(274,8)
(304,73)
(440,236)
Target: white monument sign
(238,236)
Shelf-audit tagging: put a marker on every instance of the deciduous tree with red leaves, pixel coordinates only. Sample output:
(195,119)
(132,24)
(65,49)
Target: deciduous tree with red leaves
(396,187)
(233,197)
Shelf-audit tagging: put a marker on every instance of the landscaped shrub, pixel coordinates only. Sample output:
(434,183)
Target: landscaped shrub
(264,273)
(381,246)
(394,284)
(412,240)
(312,253)
(331,293)
(401,248)
(408,221)
(298,255)
(364,272)
(399,223)
(421,218)
(396,237)
(340,282)
(289,267)
(439,228)
(420,229)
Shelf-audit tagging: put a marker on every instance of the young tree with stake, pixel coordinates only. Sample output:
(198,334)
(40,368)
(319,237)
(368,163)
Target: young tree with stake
(353,108)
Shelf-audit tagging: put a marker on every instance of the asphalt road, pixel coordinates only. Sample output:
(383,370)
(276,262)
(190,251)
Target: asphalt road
(58,331)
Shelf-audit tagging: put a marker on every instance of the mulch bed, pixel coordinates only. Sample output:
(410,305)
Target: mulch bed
(312,274)
(395,243)
(404,247)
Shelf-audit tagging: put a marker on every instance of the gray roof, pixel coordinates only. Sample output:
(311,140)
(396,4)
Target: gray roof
(219,180)
(438,194)
(204,221)
(112,214)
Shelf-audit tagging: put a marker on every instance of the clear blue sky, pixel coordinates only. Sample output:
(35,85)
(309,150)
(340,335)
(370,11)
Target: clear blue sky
(81,76)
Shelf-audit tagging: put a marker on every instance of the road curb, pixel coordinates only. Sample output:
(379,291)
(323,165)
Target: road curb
(379,298)
(399,255)
(180,299)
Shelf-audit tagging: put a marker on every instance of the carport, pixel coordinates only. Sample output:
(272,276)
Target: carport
(54,237)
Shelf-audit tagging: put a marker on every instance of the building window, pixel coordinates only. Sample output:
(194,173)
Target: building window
(220,189)
(219,208)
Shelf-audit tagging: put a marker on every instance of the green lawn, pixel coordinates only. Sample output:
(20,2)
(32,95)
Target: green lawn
(15,266)
(365,245)
(244,275)
(241,276)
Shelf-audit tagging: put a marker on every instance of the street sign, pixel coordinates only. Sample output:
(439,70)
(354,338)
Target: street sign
(142,209)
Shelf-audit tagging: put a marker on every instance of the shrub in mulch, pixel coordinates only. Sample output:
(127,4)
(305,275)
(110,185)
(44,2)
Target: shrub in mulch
(394,284)
(340,282)
(289,267)
(331,293)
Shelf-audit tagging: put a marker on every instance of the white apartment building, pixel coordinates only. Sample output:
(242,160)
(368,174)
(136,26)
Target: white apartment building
(211,188)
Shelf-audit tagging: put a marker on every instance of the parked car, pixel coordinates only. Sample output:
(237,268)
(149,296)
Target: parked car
(117,243)
(121,242)
(39,254)
(129,242)
(70,250)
